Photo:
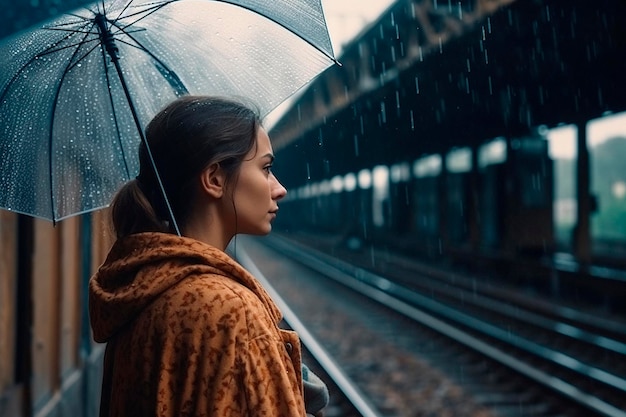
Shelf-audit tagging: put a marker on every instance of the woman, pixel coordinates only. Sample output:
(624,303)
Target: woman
(190,332)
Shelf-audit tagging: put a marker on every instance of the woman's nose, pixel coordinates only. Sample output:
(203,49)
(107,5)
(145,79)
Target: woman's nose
(278,191)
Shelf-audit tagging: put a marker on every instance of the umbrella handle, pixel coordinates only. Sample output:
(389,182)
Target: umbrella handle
(109,43)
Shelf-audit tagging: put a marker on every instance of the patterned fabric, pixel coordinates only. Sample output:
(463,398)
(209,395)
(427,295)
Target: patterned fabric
(190,332)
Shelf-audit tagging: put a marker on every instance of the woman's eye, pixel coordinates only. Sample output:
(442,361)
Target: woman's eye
(268,168)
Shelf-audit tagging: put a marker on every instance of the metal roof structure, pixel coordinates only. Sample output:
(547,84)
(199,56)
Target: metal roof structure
(426,78)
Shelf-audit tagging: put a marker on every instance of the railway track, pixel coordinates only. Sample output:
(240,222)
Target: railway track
(347,399)
(516,360)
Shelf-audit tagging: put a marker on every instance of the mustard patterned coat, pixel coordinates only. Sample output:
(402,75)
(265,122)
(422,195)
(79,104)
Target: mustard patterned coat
(190,332)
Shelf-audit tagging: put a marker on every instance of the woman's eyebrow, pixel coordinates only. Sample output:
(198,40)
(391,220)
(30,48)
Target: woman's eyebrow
(269,156)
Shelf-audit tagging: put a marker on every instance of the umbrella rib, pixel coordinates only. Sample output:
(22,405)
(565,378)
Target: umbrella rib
(126,6)
(85,55)
(117,126)
(51,136)
(58,25)
(83,22)
(19,72)
(50,51)
(109,43)
(330,56)
(146,12)
(171,77)
(54,46)
(59,29)
(153,6)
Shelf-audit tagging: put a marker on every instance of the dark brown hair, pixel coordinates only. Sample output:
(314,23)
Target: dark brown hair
(184,138)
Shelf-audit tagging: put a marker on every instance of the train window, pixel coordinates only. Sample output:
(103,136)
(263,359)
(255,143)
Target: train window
(350,181)
(562,152)
(428,166)
(400,172)
(336,184)
(493,152)
(315,189)
(534,182)
(380,176)
(459,160)
(365,179)
(533,171)
(607,145)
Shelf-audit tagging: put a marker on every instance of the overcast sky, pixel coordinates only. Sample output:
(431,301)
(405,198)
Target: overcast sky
(346,18)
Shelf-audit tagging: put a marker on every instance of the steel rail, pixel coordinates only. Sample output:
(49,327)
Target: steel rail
(377,288)
(347,386)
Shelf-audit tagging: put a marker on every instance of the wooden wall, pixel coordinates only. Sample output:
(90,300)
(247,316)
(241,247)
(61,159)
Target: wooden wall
(47,358)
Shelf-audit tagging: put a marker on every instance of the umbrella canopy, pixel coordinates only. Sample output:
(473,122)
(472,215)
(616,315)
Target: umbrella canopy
(76,93)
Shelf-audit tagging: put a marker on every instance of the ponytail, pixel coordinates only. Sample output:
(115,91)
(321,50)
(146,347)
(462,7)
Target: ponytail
(131,212)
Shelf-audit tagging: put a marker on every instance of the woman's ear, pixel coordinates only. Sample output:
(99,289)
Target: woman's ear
(212,180)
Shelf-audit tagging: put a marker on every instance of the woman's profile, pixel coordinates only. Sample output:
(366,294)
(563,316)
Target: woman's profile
(189,331)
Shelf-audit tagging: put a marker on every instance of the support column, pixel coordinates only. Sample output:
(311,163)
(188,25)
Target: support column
(442,204)
(582,230)
(474,203)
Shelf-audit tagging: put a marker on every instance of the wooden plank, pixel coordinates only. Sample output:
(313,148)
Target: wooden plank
(71,296)
(8,288)
(45,296)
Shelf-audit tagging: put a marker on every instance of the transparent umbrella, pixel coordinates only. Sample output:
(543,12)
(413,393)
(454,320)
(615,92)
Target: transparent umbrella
(76,93)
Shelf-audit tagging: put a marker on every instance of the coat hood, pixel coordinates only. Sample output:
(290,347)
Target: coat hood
(142,266)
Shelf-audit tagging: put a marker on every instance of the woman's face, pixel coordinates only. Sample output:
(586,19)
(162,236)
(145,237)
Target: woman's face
(257,190)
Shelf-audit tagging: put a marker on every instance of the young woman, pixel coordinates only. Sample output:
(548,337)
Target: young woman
(189,331)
